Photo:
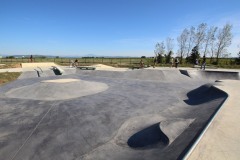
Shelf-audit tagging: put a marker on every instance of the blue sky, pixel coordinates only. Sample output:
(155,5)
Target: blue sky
(106,27)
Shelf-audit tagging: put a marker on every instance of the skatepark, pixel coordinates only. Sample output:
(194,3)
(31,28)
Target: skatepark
(117,113)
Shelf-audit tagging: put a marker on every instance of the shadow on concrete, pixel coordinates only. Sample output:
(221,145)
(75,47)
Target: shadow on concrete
(149,136)
(204,94)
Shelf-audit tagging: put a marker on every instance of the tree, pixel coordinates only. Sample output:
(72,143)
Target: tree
(159,51)
(200,34)
(169,44)
(209,39)
(10,57)
(190,40)
(212,44)
(182,42)
(168,56)
(156,51)
(194,55)
(237,60)
(224,40)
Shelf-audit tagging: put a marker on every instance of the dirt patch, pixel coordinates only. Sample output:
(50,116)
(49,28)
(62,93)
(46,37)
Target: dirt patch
(16,65)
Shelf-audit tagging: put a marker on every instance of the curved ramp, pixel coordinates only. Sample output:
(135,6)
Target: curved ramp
(149,136)
(174,127)
(204,94)
(164,133)
(211,75)
(136,128)
(150,131)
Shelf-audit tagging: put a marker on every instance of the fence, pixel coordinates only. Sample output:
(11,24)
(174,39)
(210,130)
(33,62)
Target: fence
(81,61)
(111,61)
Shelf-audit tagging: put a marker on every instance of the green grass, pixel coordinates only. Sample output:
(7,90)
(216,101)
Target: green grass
(7,77)
(116,62)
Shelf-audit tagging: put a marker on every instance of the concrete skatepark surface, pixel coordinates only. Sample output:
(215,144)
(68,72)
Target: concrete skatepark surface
(139,114)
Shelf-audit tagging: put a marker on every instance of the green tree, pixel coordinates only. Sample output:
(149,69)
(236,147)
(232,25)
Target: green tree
(237,60)
(159,58)
(159,52)
(168,56)
(194,55)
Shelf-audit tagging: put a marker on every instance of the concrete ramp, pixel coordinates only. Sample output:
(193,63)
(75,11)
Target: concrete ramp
(33,74)
(163,133)
(174,127)
(35,65)
(134,132)
(211,75)
(141,74)
(31,70)
(204,94)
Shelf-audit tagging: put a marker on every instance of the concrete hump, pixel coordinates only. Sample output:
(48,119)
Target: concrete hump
(141,132)
(150,131)
(58,89)
(149,136)
(160,134)
(174,127)
(204,94)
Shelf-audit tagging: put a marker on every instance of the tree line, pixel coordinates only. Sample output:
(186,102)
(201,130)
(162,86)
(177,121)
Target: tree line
(210,41)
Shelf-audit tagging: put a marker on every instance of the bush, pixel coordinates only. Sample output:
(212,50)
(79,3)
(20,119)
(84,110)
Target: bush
(10,57)
(215,63)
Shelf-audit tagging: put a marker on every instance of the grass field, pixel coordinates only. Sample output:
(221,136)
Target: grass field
(7,77)
(115,62)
